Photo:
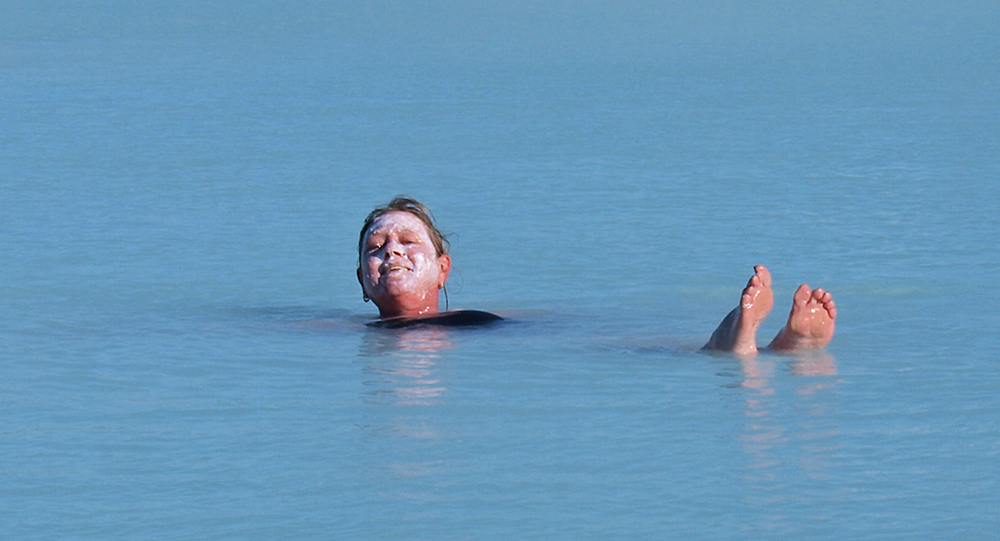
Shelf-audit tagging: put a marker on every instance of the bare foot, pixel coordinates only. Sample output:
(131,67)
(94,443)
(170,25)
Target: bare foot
(811,322)
(738,330)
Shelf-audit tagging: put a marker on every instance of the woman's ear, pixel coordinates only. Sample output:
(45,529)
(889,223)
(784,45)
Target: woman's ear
(444,262)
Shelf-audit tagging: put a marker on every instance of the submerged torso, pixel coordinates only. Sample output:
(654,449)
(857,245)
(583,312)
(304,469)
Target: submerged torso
(455,318)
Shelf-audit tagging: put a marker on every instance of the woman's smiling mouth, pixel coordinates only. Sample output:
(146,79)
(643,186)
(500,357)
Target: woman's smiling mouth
(391,268)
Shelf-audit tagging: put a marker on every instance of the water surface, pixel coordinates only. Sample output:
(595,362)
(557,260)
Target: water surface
(183,350)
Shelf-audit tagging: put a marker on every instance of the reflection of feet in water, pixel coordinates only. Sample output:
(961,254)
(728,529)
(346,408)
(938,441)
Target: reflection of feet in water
(813,363)
(810,323)
(738,331)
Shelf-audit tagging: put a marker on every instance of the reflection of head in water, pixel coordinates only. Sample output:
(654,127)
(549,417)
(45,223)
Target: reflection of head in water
(403,259)
(405,364)
(423,339)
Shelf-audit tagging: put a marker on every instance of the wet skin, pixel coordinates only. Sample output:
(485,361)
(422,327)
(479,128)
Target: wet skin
(400,269)
(810,325)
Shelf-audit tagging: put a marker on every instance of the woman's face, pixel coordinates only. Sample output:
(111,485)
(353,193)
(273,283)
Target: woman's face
(400,269)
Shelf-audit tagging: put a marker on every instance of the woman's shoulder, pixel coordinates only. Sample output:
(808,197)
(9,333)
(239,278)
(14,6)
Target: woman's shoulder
(453,318)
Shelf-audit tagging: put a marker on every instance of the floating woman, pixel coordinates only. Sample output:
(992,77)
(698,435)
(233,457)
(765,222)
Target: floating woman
(403,264)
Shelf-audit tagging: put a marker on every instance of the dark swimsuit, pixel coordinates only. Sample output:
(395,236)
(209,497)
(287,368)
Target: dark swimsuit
(455,318)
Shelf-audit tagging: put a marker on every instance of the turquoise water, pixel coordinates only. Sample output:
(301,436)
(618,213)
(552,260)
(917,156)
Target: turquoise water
(182,348)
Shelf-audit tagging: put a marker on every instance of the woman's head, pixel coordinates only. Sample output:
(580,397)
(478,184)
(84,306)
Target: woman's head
(414,207)
(403,259)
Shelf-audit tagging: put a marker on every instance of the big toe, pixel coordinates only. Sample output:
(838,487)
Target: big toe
(764,275)
(802,295)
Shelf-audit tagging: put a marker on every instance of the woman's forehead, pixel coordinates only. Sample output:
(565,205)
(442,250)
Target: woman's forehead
(397,221)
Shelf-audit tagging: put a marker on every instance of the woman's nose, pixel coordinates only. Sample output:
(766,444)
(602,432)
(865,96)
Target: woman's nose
(393,247)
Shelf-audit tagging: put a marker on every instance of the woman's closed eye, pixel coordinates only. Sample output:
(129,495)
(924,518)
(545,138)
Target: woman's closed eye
(374,243)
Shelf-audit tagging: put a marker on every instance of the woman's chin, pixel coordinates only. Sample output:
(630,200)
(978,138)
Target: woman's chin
(399,290)
(406,287)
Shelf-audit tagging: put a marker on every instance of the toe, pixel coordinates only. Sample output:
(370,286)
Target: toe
(764,274)
(802,294)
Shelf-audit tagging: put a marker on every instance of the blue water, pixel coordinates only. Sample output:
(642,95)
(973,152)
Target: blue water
(182,348)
